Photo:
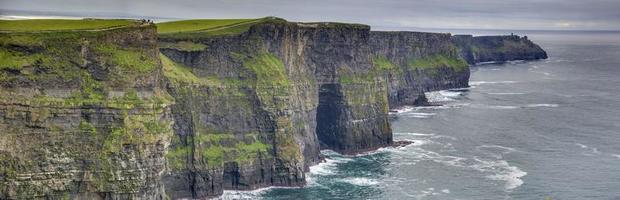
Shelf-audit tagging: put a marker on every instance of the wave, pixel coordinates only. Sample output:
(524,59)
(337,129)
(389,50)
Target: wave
(328,167)
(616,155)
(361,181)
(419,115)
(402,110)
(505,93)
(496,151)
(492,168)
(416,134)
(592,150)
(477,83)
(442,96)
(502,107)
(504,172)
(541,105)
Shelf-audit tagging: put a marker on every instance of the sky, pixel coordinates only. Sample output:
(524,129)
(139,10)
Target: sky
(385,14)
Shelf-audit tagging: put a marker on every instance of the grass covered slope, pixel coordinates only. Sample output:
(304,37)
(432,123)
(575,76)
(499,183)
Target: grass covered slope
(199,25)
(62,24)
(204,27)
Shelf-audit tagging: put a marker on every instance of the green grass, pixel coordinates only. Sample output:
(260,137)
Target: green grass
(62,24)
(433,62)
(383,64)
(198,25)
(183,46)
(127,59)
(268,68)
(15,60)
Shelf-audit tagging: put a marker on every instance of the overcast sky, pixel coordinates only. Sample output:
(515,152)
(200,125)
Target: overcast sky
(467,14)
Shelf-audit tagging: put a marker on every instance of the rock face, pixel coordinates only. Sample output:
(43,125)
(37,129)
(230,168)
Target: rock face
(83,115)
(497,48)
(260,105)
(420,62)
(113,115)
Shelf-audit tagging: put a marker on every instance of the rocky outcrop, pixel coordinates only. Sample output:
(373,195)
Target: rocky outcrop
(83,115)
(419,62)
(497,48)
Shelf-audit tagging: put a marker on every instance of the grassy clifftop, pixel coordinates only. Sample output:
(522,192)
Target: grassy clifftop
(62,24)
(205,27)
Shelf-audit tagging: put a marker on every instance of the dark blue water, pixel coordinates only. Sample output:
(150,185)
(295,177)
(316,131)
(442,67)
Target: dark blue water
(523,130)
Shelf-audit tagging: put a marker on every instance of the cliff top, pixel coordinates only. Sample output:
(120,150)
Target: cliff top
(201,28)
(201,25)
(34,25)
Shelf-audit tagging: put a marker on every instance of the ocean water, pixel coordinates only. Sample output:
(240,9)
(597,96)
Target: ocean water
(523,130)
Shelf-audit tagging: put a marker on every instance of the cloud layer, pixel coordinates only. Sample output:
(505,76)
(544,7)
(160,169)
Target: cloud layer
(486,14)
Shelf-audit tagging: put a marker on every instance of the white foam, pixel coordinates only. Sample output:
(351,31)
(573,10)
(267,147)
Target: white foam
(328,167)
(448,93)
(476,83)
(500,107)
(404,109)
(502,148)
(541,105)
(416,134)
(505,93)
(419,115)
(445,191)
(361,181)
(616,155)
(495,151)
(592,150)
(501,171)
(445,95)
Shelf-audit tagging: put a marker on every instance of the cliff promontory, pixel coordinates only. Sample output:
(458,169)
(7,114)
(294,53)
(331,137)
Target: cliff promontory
(481,49)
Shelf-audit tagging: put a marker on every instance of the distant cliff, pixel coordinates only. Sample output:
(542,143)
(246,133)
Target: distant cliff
(422,62)
(126,113)
(497,48)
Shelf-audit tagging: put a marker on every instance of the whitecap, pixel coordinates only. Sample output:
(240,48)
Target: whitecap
(505,93)
(445,191)
(499,147)
(616,155)
(404,109)
(500,107)
(496,151)
(542,105)
(476,83)
(328,167)
(418,115)
(592,150)
(416,134)
(501,171)
(361,181)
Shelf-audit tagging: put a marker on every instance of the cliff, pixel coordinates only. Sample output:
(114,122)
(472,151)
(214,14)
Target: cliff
(497,48)
(262,102)
(115,109)
(420,62)
(83,114)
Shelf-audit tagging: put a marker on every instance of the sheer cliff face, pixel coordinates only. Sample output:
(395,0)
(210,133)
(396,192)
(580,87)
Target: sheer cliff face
(82,115)
(249,119)
(419,62)
(497,48)
(108,115)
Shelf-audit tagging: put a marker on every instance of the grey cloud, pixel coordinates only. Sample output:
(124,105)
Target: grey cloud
(499,14)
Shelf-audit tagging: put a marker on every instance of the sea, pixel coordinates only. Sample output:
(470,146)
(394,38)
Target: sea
(547,129)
